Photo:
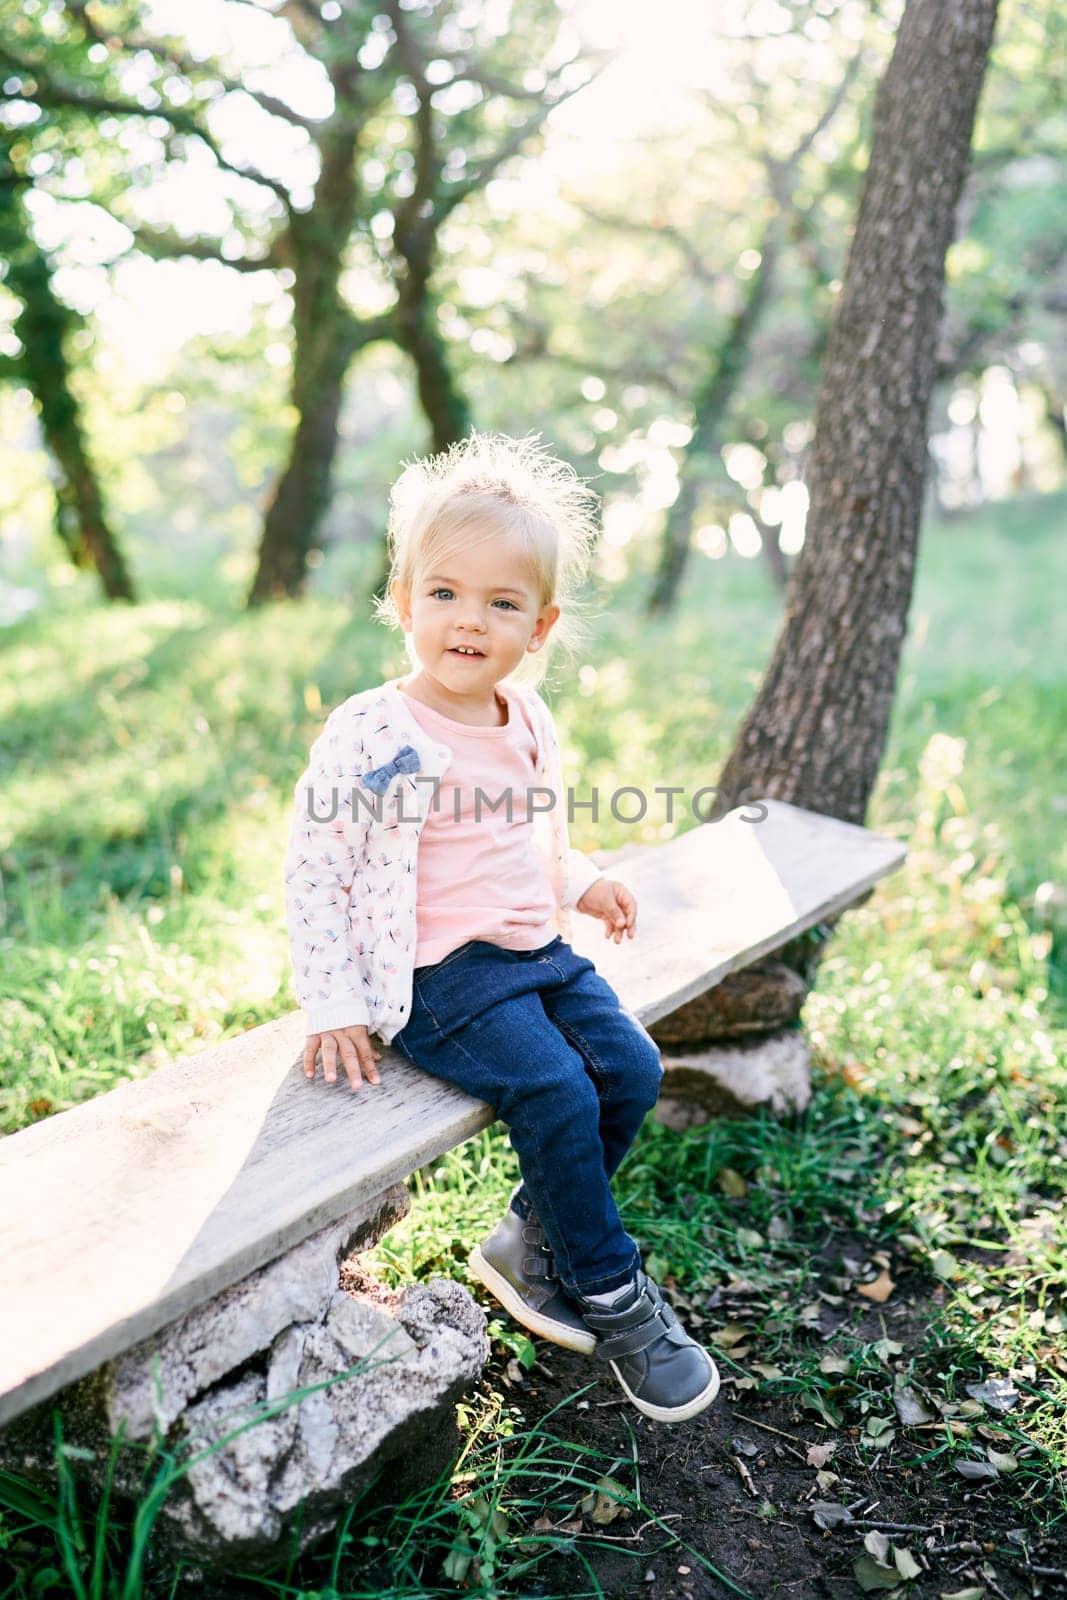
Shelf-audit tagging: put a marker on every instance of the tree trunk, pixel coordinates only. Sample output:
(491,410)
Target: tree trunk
(302,493)
(81,520)
(42,326)
(442,401)
(709,410)
(323,345)
(773,554)
(1055,413)
(816,731)
(419,333)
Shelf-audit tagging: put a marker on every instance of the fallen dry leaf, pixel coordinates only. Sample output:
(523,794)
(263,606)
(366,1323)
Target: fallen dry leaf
(605,1502)
(881,1288)
(977,1470)
(731,1333)
(876,1543)
(944,1264)
(910,1408)
(1000,1394)
(871,1574)
(829,1513)
(744,1474)
(905,1563)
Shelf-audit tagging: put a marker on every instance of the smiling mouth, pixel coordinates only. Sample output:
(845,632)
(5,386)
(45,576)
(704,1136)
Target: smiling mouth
(470,655)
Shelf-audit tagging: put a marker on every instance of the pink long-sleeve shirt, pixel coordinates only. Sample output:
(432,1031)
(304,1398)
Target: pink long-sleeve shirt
(481,875)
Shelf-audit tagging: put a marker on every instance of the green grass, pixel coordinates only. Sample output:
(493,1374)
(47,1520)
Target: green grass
(474,1526)
(149,757)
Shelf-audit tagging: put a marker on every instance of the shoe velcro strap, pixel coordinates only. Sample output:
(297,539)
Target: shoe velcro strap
(628,1341)
(604,1318)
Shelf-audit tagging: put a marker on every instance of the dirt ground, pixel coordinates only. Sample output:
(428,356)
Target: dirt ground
(739,1487)
(691,1477)
(736,1485)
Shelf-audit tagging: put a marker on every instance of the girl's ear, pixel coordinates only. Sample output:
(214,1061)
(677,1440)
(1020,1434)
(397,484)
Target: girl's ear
(402,600)
(543,627)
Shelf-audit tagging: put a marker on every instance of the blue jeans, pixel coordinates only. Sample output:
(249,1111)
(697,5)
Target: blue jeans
(547,1042)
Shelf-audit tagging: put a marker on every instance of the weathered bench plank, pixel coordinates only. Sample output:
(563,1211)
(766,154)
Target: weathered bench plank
(125,1212)
(723,895)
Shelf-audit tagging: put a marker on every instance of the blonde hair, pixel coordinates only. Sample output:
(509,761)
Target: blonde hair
(484,485)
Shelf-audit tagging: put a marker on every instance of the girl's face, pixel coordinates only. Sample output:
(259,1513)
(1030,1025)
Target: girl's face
(482,598)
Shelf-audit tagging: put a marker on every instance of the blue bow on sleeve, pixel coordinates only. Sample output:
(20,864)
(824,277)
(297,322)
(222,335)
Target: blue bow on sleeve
(378,780)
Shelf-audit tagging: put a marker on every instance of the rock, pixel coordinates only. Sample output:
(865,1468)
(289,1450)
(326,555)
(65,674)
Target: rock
(284,1395)
(215,1338)
(366,1396)
(723,1080)
(757,999)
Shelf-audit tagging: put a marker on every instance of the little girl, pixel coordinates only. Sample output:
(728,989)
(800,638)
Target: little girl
(439,920)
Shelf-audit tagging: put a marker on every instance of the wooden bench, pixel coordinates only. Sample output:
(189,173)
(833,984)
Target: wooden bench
(124,1213)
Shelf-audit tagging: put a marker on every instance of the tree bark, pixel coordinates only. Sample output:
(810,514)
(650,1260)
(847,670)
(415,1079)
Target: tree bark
(773,554)
(418,333)
(708,412)
(728,365)
(1055,413)
(42,326)
(816,731)
(323,346)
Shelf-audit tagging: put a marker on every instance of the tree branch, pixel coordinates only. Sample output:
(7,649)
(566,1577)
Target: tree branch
(780,172)
(833,105)
(363,331)
(660,230)
(535,347)
(453,194)
(165,244)
(466,72)
(52,94)
(295,12)
(427,159)
(173,57)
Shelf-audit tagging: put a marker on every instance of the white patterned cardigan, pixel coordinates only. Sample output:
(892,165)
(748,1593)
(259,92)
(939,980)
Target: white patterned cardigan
(350,881)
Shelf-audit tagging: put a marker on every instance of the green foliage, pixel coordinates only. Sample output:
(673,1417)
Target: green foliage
(565,296)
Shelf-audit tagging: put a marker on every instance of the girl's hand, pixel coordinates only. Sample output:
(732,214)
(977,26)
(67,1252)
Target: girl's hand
(355,1049)
(614,904)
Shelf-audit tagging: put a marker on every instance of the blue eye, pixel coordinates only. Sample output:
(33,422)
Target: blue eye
(435,592)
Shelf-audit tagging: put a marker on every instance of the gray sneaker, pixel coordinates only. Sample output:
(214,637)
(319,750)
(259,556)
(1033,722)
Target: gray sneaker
(516,1265)
(662,1370)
